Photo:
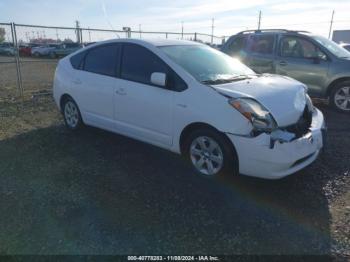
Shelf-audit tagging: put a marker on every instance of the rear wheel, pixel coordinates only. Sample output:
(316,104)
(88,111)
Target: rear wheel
(210,153)
(71,114)
(340,97)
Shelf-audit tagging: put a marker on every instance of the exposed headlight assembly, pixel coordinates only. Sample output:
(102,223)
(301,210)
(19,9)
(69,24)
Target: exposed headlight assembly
(309,103)
(257,114)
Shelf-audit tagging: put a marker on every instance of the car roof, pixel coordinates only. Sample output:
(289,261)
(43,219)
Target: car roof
(154,42)
(275,31)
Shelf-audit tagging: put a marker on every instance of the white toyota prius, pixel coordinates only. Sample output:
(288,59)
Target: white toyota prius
(193,100)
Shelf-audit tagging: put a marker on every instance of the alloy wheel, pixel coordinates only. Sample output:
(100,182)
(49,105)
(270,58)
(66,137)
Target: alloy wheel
(206,155)
(342,98)
(71,114)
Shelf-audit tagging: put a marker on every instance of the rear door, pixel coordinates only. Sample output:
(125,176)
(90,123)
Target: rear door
(261,55)
(301,59)
(143,110)
(94,84)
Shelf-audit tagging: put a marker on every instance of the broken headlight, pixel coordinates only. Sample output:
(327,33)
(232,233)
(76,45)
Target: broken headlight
(257,114)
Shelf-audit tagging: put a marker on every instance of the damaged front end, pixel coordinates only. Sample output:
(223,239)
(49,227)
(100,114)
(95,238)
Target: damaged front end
(294,131)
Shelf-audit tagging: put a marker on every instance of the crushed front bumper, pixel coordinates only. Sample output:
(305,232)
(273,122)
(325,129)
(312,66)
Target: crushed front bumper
(257,158)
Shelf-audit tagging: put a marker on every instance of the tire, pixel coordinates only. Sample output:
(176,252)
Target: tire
(71,114)
(210,153)
(340,97)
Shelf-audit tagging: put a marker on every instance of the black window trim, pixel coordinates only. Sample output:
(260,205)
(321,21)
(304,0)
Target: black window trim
(118,66)
(169,70)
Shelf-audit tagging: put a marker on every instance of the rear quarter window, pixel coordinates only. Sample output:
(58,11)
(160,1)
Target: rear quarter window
(77,60)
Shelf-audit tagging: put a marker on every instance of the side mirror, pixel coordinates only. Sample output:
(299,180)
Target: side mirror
(158,79)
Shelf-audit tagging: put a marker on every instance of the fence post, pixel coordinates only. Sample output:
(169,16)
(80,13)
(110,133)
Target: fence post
(18,64)
(81,36)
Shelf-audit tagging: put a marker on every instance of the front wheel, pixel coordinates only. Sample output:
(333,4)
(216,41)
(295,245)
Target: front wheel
(340,97)
(71,114)
(211,153)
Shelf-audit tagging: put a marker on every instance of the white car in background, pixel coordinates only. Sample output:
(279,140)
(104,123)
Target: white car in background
(43,50)
(193,100)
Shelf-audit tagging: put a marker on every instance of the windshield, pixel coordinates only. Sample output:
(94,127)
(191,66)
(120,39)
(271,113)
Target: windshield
(206,64)
(332,47)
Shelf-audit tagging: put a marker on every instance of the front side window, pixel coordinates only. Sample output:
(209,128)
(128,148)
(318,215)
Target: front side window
(300,48)
(102,60)
(205,63)
(138,64)
(261,44)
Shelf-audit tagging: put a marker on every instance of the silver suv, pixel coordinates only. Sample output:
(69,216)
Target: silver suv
(319,63)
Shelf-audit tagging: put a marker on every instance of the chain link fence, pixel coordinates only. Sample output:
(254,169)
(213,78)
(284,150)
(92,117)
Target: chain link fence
(28,53)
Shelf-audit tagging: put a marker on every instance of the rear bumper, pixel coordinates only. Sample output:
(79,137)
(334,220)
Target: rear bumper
(257,158)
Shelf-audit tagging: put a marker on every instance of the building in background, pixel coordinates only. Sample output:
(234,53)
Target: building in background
(341,36)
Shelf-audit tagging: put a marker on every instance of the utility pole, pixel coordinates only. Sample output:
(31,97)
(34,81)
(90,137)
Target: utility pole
(140,29)
(259,21)
(89,34)
(212,30)
(77,30)
(330,27)
(182,29)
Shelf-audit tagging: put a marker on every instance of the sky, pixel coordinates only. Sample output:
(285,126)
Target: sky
(230,16)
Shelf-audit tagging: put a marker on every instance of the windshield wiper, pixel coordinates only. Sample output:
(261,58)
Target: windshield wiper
(225,80)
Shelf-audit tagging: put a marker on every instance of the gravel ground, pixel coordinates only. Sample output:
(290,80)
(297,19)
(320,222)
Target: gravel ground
(37,75)
(94,192)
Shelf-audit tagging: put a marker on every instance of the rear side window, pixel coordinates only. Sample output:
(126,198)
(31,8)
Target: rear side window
(261,44)
(77,60)
(102,60)
(138,64)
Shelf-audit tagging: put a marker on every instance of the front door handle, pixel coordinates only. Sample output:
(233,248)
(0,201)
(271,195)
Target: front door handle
(121,92)
(283,63)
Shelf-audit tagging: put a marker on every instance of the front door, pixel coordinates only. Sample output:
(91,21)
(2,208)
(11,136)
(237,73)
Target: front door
(302,60)
(142,109)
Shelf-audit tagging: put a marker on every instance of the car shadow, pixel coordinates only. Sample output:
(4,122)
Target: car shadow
(94,192)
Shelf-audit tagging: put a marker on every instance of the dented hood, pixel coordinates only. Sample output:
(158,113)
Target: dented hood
(282,96)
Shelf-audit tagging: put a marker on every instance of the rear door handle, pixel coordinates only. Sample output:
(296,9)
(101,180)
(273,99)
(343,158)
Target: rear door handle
(121,92)
(283,63)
